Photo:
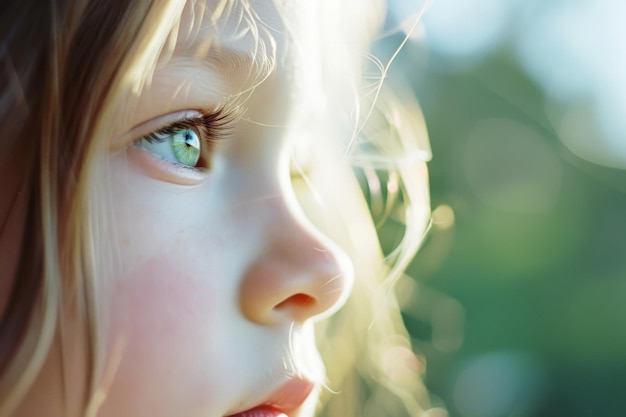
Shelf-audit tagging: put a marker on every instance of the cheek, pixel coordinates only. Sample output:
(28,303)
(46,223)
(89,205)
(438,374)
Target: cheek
(163,298)
(165,329)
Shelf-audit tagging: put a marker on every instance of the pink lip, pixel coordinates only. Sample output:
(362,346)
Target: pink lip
(286,399)
(263,411)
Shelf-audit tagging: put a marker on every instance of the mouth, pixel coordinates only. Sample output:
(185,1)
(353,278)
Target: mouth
(261,412)
(282,402)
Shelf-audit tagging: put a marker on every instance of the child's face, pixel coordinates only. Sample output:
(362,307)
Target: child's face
(214,277)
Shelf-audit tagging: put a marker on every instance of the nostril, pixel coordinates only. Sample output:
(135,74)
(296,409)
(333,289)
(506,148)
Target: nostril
(293,280)
(297,300)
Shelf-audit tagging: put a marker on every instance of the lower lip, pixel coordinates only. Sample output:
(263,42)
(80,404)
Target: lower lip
(261,412)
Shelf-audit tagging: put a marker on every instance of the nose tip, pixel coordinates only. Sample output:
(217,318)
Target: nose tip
(299,277)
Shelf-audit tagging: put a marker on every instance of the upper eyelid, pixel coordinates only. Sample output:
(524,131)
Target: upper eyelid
(215,123)
(156,124)
(170,128)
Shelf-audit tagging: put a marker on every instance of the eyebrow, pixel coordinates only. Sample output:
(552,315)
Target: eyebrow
(247,66)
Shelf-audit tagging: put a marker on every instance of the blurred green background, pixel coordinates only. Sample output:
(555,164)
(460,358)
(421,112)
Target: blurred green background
(518,300)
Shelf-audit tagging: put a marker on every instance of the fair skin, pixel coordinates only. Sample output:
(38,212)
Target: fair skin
(216,277)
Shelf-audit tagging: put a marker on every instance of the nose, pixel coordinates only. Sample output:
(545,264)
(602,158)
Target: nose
(299,273)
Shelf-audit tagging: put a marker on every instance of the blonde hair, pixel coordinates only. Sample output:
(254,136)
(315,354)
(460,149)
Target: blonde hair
(54,62)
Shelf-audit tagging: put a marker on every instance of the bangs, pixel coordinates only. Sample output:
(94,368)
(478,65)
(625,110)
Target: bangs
(199,33)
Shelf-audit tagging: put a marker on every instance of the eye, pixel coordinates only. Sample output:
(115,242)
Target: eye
(181,146)
(184,148)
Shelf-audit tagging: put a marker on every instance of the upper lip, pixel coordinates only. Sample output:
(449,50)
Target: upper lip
(286,398)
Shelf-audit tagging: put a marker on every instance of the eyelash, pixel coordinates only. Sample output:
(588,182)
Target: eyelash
(212,126)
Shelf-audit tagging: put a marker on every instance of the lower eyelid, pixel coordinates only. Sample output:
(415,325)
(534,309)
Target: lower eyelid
(161,169)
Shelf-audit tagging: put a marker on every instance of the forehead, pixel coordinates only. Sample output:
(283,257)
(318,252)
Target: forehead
(229,21)
(235,34)
(218,52)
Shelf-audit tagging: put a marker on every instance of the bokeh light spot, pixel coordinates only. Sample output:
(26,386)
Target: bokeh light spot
(498,384)
(443,217)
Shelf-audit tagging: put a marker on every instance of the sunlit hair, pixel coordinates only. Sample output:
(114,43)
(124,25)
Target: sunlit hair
(68,68)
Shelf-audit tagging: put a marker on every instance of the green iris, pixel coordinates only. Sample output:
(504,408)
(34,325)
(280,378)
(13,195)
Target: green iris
(186,147)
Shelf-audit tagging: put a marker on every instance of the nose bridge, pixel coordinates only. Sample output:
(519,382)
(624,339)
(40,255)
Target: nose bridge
(298,273)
